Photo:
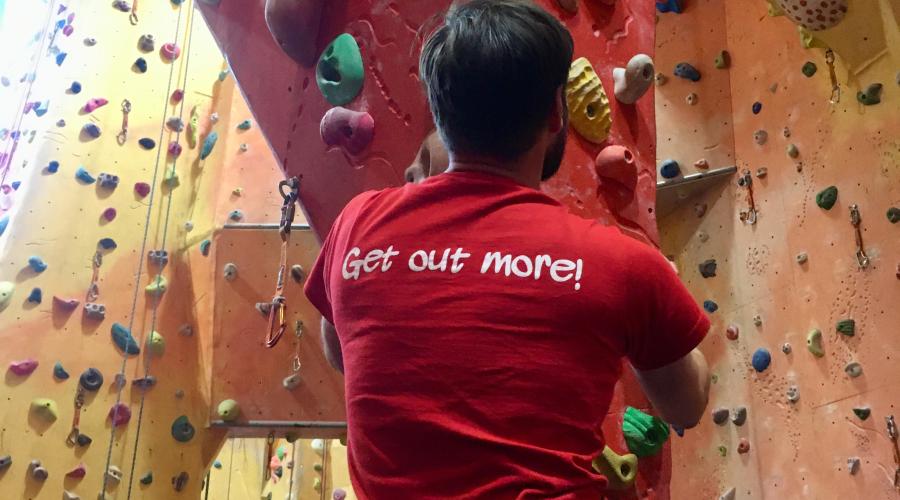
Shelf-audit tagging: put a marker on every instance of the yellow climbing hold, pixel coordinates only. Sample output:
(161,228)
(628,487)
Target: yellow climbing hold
(194,128)
(229,410)
(588,103)
(158,286)
(45,408)
(156,344)
(6,292)
(809,40)
(773,9)
(620,470)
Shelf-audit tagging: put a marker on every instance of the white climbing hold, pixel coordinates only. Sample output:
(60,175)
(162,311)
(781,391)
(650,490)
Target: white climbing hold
(729,495)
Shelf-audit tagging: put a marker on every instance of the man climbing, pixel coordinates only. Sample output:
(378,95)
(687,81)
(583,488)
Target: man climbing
(480,326)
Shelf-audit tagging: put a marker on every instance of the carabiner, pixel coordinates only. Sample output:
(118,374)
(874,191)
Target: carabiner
(276,331)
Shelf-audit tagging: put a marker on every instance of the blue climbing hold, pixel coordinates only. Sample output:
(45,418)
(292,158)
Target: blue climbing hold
(15,185)
(4,221)
(147,143)
(669,6)
(91,130)
(669,169)
(40,109)
(757,107)
(107,244)
(204,247)
(36,296)
(217,464)
(710,306)
(37,264)
(177,2)
(84,176)
(124,340)
(761,359)
(60,58)
(52,167)
(60,372)
(75,88)
(141,65)
(686,71)
(208,144)
(244,125)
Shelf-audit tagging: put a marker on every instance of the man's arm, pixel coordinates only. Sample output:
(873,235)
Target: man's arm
(679,390)
(332,346)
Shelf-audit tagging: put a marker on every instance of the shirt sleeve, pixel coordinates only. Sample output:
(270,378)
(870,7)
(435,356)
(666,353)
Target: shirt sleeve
(666,322)
(317,288)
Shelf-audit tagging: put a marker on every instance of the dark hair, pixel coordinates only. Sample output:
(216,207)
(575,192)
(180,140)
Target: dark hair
(492,71)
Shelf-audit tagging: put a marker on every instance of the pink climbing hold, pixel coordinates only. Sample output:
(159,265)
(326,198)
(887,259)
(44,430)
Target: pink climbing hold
(119,414)
(65,304)
(616,163)
(68,30)
(95,103)
(170,51)
(174,149)
(78,472)
(142,189)
(351,130)
(24,367)
(177,96)
(109,214)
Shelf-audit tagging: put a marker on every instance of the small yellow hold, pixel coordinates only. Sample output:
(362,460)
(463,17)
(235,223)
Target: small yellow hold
(809,40)
(773,9)
(229,410)
(45,408)
(589,111)
(238,191)
(156,344)
(194,128)
(158,286)
(620,470)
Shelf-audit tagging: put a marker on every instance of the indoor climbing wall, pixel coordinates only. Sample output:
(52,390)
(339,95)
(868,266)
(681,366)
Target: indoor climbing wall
(84,222)
(795,257)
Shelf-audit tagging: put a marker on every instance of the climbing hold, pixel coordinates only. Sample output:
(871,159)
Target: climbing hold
(230,271)
(700,209)
(739,415)
(114,474)
(142,189)
(691,98)
(620,470)
(616,163)
(786,348)
(669,6)
(686,71)
(701,163)
(24,367)
(756,108)
(174,150)
(632,81)
(853,369)
(589,111)
(827,197)
(36,296)
(297,273)
(229,410)
(720,415)
(122,5)
(156,344)
(793,394)
(801,258)
(144,382)
(809,69)
(170,51)
(644,434)
(214,118)
(75,88)
(59,372)
(760,136)
(710,306)
(147,478)
(339,72)
(708,268)
(182,430)
(208,144)
(45,408)
(175,123)
(244,147)
(119,414)
(37,264)
(147,43)
(217,464)
(83,440)
(351,130)
(853,465)
(124,340)
(761,359)
(660,79)
(172,180)
(68,495)
(236,215)
(119,381)
(52,167)
(37,472)
(91,380)
(177,96)
(84,176)
(65,304)
(179,393)
(5,461)
(147,143)
(204,247)
(78,472)
(158,286)
(862,413)
(158,258)
(732,332)
(109,214)
(189,226)
(291,381)
(108,181)
(846,327)
(723,60)
(762,172)
(792,150)
(107,243)
(893,215)
(60,58)
(743,446)
(871,95)
(815,16)
(244,125)
(94,103)
(669,169)
(140,64)
(90,41)
(180,481)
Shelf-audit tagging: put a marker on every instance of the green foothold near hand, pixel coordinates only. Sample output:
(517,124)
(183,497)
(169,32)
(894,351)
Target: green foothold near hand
(827,197)
(814,343)
(809,69)
(644,434)
(847,327)
(156,344)
(620,470)
(723,450)
(339,72)
(45,408)
(158,286)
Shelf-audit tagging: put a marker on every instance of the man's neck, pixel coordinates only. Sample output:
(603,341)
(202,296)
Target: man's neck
(513,170)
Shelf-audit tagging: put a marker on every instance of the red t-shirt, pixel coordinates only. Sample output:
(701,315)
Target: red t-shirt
(482,328)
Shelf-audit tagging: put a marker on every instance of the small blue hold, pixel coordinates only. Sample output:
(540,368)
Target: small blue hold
(107,244)
(15,185)
(147,143)
(60,24)
(686,71)
(52,167)
(36,296)
(761,359)
(84,176)
(208,144)
(204,247)
(75,88)
(669,6)
(710,306)
(217,464)
(60,58)
(678,430)
(60,372)
(141,64)
(91,129)
(669,169)
(4,221)
(40,109)
(757,107)
(37,264)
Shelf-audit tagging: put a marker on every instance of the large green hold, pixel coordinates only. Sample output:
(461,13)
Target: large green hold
(124,340)
(644,434)
(45,408)
(827,197)
(339,72)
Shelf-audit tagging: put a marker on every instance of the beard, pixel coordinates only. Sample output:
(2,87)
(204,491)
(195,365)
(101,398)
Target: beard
(554,155)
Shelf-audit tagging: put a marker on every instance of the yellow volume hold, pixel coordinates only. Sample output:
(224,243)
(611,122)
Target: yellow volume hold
(589,111)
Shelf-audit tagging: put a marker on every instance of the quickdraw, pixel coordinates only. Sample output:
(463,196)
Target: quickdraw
(835,86)
(270,450)
(298,332)
(861,258)
(748,216)
(892,434)
(133,16)
(72,438)
(123,134)
(93,292)
(277,327)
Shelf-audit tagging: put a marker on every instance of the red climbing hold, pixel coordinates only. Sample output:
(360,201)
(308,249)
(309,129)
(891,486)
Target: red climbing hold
(24,367)
(119,414)
(78,472)
(351,130)
(94,103)
(177,96)
(170,51)
(174,149)
(65,304)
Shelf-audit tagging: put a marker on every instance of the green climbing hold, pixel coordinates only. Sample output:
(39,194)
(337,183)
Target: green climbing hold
(156,344)
(644,434)
(814,343)
(827,197)
(723,450)
(244,125)
(158,287)
(124,340)
(862,413)
(182,430)
(45,408)
(723,60)
(871,95)
(809,69)
(893,215)
(147,478)
(229,410)
(339,72)
(847,327)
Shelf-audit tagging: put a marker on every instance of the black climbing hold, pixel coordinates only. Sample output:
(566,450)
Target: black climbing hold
(107,243)
(83,440)
(182,430)
(204,247)
(708,268)
(108,181)
(871,95)
(147,143)
(739,415)
(809,69)
(141,65)
(757,107)
(720,415)
(147,478)
(862,413)
(710,306)
(35,296)
(827,197)
(279,471)
(91,379)
(686,71)
(5,461)
(893,215)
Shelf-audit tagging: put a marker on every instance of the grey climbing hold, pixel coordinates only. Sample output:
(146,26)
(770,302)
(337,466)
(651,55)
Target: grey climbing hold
(757,320)
(175,123)
(144,382)
(147,43)
(6,292)
(84,176)
(180,481)
(760,137)
(158,258)
(893,215)
(91,380)
(94,311)
(660,79)
(793,394)
(68,495)
(739,415)
(230,271)
(36,296)
(114,474)
(5,461)
(119,380)
(708,268)
(182,430)
(720,415)
(792,150)
(786,348)
(59,372)
(691,98)
(703,236)
(853,464)
(124,340)
(186,330)
(700,209)
(870,96)
(90,41)
(291,381)
(853,369)
(179,393)
(731,494)
(801,258)
(37,472)
(762,172)
(632,81)
(108,181)
(37,264)
(297,273)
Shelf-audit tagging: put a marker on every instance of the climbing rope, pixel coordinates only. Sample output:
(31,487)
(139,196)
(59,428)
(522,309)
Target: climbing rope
(137,287)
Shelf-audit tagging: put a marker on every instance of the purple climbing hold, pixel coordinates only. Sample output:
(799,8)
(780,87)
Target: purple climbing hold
(142,189)
(122,5)
(53,167)
(351,130)
(94,103)
(36,296)
(15,185)
(147,143)
(24,367)
(91,130)
(109,214)
(710,306)
(119,414)
(757,107)
(174,149)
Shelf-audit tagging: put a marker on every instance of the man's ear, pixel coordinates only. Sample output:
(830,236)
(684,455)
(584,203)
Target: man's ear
(556,120)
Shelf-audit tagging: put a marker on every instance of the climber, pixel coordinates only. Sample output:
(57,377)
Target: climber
(479,325)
